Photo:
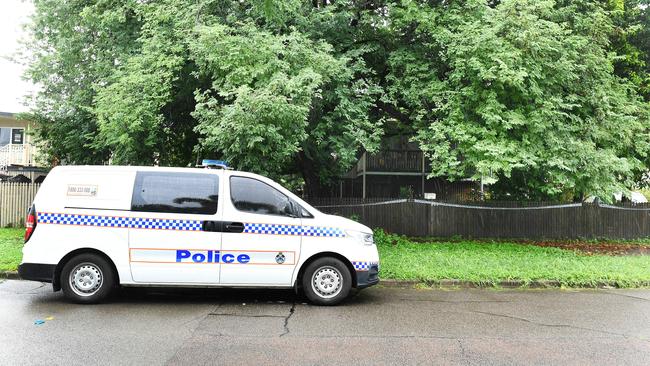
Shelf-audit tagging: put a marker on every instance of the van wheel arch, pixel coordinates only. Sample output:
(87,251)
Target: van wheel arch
(56,281)
(316,256)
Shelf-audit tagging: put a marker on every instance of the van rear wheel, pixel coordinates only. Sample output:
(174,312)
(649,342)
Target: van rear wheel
(326,281)
(87,279)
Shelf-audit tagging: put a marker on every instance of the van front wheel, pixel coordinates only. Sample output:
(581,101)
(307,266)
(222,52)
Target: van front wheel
(326,281)
(87,279)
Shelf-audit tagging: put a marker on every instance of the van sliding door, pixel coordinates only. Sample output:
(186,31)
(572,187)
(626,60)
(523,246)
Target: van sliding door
(172,236)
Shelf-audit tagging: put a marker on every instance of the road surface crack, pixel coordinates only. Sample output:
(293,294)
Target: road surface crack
(247,315)
(457,301)
(462,350)
(549,325)
(193,333)
(629,296)
(286,319)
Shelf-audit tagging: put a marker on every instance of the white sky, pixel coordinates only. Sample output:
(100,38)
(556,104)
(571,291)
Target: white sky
(13,14)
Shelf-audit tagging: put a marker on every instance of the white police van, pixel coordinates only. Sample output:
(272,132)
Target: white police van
(92,228)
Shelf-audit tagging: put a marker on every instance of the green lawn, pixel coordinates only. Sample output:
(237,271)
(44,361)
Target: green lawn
(491,262)
(11,244)
(484,262)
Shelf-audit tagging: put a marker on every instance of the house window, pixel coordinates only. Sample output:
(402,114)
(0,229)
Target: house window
(5,136)
(17,136)
(10,135)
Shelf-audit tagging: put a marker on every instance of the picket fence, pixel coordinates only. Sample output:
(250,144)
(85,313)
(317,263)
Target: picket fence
(15,199)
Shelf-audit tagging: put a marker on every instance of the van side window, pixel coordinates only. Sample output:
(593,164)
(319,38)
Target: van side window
(183,193)
(251,195)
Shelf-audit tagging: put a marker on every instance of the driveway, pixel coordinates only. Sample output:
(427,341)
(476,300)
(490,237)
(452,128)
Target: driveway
(377,326)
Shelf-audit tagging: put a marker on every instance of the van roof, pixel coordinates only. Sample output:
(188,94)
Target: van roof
(133,168)
(128,168)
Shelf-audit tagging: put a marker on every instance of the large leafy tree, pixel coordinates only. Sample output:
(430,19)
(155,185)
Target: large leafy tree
(541,97)
(522,93)
(164,82)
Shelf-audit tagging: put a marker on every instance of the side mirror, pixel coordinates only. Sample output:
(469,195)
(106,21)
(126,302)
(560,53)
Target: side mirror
(288,210)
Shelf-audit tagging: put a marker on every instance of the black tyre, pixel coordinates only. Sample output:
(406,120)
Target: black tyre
(326,281)
(87,279)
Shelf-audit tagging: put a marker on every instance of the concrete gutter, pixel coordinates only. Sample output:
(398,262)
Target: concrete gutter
(450,283)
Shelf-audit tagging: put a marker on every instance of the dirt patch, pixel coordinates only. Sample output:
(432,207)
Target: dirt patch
(590,248)
(584,247)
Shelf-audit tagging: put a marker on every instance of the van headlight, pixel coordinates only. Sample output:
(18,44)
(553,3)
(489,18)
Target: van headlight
(359,237)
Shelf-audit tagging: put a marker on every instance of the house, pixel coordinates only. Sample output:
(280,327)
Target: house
(400,169)
(17,151)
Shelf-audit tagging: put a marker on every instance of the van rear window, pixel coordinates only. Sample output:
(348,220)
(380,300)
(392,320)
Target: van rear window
(183,193)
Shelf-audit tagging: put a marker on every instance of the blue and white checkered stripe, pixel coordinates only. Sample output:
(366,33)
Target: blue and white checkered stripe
(272,229)
(119,222)
(182,225)
(363,266)
(275,229)
(323,231)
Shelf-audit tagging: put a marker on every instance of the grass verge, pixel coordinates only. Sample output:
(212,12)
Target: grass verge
(488,263)
(11,245)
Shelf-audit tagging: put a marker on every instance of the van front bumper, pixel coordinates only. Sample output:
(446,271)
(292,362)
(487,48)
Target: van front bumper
(36,272)
(368,278)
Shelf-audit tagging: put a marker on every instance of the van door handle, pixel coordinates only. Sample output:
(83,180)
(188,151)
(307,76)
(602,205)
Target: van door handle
(213,226)
(234,227)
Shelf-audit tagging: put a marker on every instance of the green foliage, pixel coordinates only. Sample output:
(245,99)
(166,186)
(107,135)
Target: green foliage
(518,92)
(541,97)
(257,107)
(162,82)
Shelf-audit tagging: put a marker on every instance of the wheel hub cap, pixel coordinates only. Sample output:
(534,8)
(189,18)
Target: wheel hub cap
(86,279)
(327,282)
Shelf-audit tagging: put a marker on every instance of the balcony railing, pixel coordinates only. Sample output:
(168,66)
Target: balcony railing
(15,154)
(398,161)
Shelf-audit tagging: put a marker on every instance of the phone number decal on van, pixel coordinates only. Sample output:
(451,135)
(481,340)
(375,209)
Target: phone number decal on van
(82,190)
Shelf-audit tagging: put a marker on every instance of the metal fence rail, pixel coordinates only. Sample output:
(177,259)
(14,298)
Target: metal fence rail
(15,199)
(497,219)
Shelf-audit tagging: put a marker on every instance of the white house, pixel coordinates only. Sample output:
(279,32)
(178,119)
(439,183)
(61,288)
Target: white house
(17,151)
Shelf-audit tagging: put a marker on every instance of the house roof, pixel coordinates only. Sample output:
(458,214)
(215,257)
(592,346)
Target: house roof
(7,114)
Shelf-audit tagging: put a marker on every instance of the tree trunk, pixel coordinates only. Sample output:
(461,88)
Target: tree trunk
(313,186)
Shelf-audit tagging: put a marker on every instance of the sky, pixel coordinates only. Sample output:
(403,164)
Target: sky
(13,14)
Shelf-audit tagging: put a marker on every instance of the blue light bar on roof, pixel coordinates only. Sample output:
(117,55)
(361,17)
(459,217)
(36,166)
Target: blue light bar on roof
(209,162)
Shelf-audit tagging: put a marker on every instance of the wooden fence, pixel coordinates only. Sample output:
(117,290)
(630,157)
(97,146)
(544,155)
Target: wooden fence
(15,199)
(531,220)
(497,219)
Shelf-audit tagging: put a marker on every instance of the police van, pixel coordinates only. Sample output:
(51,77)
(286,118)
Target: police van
(92,228)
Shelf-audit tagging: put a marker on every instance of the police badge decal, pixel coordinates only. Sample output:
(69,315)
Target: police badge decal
(280,258)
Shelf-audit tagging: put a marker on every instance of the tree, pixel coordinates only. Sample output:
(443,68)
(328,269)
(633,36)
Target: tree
(540,97)
(162,82)
(523,93)
(74,46)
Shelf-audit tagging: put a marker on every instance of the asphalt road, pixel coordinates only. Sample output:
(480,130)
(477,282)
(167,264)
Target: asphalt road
(376,326)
